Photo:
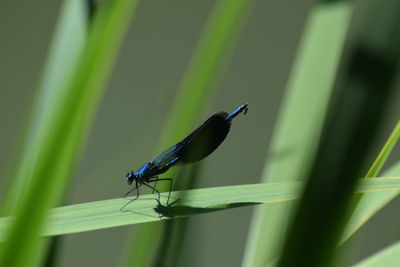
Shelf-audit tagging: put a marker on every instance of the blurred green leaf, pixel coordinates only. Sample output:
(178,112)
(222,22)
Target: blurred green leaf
(299,123)
(65,131)
(67,44)
(68,40)
(370,204)
(388,257)
(364,89)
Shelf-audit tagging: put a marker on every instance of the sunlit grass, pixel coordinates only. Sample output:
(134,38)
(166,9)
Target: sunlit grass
(72,86)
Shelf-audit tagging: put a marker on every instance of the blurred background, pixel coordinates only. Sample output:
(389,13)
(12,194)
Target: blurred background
(157,49)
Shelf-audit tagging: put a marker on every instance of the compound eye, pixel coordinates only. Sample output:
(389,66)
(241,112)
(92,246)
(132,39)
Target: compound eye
(130,176)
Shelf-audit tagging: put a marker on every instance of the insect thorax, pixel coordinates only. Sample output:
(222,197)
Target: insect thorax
(147,171)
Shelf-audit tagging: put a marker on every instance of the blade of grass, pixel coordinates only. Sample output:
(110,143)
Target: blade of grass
(388,257)
(106,213)
(385,152)
(299,124)
(366,86)
(64,133)
(67,43)
(370,204)
(196,89)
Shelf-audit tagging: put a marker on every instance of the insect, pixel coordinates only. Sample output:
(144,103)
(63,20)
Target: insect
(196,146)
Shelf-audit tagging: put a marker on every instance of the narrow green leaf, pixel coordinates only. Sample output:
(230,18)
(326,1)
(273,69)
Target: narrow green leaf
(385,152)
(378,34)
(388,257)
(370,204)
(106,213)
(348,135)
(299,124)
(68,41)
(65,132)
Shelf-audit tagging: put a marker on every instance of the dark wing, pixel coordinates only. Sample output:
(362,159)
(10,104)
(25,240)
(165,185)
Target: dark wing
(174,151)
(199,144)
(167,156)
(205,139)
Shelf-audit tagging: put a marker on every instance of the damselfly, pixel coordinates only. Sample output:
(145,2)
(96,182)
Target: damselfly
(196,146)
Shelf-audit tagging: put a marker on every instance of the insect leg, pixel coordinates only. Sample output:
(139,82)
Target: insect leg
(170,186)
(130,201)
(154,189)
(137,191)
(155,184)
(127,193)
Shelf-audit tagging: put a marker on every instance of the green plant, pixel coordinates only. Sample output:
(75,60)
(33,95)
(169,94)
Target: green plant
(68,98)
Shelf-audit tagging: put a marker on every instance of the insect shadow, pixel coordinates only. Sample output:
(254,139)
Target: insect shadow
(130,200)
(172,210)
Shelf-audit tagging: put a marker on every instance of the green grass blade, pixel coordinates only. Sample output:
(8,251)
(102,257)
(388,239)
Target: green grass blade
(68,41)
(388,257)
(349,133)
(299,124)
(106,213)
(65,131)
(369,205)
(385,152)
(197,89)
